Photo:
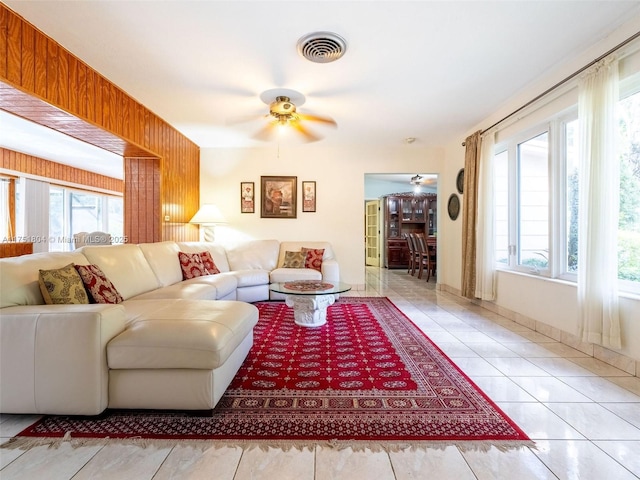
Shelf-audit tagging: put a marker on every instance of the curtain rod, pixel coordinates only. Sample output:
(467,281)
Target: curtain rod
(563,81)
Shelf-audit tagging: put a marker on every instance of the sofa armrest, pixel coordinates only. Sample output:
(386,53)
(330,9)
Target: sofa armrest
(330,270)
(53,357)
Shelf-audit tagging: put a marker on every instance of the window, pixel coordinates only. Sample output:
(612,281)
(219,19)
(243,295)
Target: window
(72,211)
(533,202)
(536,178)
(570,132)
(57,220)
(522,232)
(501,175)
(629,219)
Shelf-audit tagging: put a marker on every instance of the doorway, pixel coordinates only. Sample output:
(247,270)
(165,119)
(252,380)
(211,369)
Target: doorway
(376,186)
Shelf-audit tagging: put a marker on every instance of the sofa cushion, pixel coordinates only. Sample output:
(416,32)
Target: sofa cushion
(250,278)
(98,285)
(19,275)
(182,334)
(62,286)
(218,252)
(294,260)
(208,262)
(298,246)
(163,260)
(288,274)
(191,265)
(126,267)
(186,290)
(224,283)
(259,254)
(313,258)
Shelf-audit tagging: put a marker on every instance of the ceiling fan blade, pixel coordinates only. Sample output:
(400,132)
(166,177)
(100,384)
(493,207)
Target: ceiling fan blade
(307,134)
(244,119)
(265,133)
(317,118)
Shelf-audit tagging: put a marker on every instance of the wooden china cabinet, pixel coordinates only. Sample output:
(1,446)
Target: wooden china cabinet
(406,213)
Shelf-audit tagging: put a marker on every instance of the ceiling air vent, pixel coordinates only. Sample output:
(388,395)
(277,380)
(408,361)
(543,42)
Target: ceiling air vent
(322,47)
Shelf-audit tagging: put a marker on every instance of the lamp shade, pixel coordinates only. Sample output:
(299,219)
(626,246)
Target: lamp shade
(208,214)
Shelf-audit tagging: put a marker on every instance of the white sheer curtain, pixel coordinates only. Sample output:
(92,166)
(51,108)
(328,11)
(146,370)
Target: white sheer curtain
(36,214)
(598,208)
(5,224)
(485,224)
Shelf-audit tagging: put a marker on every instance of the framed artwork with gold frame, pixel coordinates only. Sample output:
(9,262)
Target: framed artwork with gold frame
(278,197)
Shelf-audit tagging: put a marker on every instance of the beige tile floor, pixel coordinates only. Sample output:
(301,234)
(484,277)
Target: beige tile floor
(584,415)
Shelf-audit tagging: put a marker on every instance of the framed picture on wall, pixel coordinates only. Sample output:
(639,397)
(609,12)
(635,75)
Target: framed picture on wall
(308,196)
(247,197)
(278,197)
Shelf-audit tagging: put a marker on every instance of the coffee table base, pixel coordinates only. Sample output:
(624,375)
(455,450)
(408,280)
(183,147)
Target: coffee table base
(310,310)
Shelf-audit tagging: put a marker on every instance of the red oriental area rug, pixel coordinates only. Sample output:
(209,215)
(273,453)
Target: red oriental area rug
(367,378)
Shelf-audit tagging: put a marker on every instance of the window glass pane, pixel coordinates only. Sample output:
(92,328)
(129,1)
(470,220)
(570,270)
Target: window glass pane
(86,212)
(56,219)
(629,223)
(501,186)
(533,202)
(115,219)
(19,207)
(572,164)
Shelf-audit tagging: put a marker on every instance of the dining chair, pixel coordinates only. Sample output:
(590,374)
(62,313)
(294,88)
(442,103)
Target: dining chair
(412,253)
(422,255)
(432,256)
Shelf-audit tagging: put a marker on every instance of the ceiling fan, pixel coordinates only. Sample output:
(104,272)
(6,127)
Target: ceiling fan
(283,113)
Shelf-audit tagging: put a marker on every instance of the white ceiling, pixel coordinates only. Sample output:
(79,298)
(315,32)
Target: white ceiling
(27,137)
(425,69)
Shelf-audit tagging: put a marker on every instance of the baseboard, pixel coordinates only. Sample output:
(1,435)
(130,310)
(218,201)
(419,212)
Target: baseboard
(615,359)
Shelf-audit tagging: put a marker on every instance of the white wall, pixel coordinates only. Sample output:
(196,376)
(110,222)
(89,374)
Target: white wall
(339,174)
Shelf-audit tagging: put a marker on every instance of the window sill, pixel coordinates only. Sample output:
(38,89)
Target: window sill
(560,281)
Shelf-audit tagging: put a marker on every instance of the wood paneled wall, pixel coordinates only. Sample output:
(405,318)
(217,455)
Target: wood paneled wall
(141,195)
(15,249)
(20,162)
(43,82)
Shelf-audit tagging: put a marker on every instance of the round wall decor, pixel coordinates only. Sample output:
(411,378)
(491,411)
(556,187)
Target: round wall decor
(460,181)
(453,206)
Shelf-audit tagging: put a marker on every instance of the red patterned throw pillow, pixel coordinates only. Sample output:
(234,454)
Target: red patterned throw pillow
(313,258)
(191,265)
(98,285)
(208,262)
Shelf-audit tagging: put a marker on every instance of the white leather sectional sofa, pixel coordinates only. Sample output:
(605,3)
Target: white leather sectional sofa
(171,344)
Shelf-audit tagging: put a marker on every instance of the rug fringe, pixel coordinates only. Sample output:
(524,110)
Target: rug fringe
(27,443)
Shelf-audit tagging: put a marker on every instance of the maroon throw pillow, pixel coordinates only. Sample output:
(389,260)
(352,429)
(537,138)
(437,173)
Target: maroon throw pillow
(191,265)
(313,258)
(98,285)
(208,262)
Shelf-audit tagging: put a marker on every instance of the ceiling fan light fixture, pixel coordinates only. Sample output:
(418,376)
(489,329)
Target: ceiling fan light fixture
(322,47)
(415,180)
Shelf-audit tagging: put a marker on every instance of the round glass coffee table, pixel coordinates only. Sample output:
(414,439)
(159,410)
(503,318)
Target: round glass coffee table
(310,299)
